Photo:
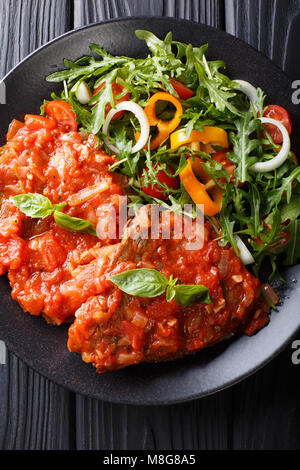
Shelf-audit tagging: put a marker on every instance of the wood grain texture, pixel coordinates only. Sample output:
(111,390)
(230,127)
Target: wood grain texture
(34,413)
(265,25)
(179,427)
(27,24)
(204,11)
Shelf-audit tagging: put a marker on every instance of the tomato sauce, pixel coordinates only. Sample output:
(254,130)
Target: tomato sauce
(114,330)
(41,258)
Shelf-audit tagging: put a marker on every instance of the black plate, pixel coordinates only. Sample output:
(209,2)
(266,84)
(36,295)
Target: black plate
(44,347)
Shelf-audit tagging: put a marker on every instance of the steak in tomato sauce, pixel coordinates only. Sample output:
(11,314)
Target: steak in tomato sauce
(113,330)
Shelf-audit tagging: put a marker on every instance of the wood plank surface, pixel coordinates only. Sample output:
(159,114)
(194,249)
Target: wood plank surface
(263,412)
(210,12)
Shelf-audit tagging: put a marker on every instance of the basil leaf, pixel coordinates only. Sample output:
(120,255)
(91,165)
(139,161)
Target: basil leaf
(34,205)
(141,282)
(73,223)
(171,292)
(186,294)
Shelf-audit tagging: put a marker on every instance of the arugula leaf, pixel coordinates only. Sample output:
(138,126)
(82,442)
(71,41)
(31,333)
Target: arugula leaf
(290,210)
(83,115)
(217,94)
(155,45)
(255,202)
(244,145)
(227,229)
(102,98)
(274,196)
(186,294)
(215,170)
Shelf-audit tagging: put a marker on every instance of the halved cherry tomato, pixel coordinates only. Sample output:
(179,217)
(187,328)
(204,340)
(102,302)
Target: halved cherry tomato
(117,89)
(14,126)
(222,158)
(36,122)
(278,113)
(156,191)
(62,113)
(183,91)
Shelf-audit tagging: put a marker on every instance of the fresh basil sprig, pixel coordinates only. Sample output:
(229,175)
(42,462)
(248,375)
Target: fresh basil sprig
(151,283)
(73,223)
(37,206)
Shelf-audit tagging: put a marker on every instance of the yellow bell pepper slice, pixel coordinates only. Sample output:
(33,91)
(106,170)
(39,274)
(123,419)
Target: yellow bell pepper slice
(210,135)
(198,191)
(164,128)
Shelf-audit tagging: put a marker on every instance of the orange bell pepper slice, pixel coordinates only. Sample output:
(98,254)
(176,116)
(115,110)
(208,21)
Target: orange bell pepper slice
(210,135)
(164,127)
(198,191)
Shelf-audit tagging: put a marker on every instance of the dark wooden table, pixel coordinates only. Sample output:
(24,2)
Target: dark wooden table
(263,412)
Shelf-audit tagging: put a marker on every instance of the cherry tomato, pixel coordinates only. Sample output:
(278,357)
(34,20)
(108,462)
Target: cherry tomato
(116,90)
(62,113)
(278,113)
(36,122)
(222,158)
(183,91)
(156,191)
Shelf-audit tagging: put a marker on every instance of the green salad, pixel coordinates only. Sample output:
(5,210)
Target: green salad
(183,132)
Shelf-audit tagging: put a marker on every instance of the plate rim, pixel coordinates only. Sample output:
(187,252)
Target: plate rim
(134,18)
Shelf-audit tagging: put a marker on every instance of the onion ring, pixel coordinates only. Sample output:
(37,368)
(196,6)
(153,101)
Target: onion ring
(139,113)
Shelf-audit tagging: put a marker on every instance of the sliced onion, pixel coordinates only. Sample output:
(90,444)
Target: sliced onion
(270,294)
(250,91)
(83,93)
(139,113)
(262,167)
(245,254)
